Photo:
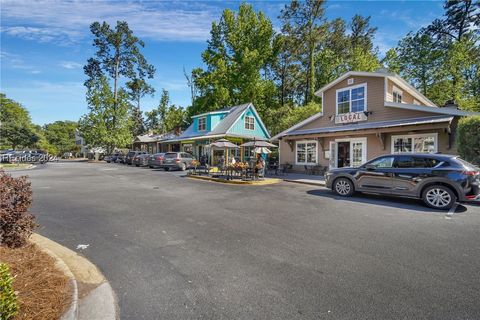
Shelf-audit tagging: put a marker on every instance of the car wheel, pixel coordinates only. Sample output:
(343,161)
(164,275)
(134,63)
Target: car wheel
(137,165)
(183,167)
(166,168)
(439,197)
(343,187)
(151,167)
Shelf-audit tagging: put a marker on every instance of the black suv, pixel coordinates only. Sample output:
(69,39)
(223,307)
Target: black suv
(438,179)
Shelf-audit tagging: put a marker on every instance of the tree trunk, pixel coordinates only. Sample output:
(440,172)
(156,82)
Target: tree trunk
(311,80)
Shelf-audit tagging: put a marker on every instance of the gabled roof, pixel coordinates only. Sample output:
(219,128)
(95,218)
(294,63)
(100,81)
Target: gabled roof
(431,107)
(154,137)
(392,76)
(442,110)
(374,125)
(222,128)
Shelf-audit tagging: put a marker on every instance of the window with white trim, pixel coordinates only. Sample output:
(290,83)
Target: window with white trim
(202,124)
(425,143)
(351,99)
(249,123)
(397,95)
(306,152)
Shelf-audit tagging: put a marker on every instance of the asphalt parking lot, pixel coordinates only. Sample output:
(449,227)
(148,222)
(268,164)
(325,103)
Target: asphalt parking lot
(178,248)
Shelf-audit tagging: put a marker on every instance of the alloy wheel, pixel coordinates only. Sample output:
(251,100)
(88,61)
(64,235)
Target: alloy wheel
(342,187)
(438,197)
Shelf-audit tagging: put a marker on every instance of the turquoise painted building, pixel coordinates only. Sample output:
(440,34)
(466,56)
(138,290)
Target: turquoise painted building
(237,124)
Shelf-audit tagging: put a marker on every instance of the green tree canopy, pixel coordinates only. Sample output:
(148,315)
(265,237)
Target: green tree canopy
(61,135)
(16,127)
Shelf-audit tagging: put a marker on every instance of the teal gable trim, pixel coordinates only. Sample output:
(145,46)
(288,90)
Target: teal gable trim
(238,128)
(212,121)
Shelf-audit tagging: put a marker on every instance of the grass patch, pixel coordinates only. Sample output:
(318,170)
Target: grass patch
(13,166)
(44,292)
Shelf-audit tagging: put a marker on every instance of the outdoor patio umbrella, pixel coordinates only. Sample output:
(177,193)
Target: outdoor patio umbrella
(258,143)
(225,144)
(262,150)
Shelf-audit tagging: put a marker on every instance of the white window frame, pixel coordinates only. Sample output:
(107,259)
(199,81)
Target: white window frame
(248,124)
(204,125)
(353,140)
(316,152)
(413,136)
(350,101)
(398,91)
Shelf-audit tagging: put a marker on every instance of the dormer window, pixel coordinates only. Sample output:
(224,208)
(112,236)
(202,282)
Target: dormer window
(397,95)
(351,99)
(249,123)
(202,124)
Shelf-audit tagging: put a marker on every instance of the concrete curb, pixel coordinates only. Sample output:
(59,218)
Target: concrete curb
(267,181)
(309,182)
(72,312)
(96,298)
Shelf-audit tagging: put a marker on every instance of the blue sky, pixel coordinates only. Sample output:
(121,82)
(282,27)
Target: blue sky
(44,44)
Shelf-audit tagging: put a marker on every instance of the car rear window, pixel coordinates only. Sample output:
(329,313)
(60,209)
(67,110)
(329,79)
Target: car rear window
(467,164)
(171,155)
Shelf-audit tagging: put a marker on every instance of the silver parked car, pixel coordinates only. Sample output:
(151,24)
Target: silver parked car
(177,160)
(156,160)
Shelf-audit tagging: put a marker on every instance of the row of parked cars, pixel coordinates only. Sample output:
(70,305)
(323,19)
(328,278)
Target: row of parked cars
(166,160)
(439,180)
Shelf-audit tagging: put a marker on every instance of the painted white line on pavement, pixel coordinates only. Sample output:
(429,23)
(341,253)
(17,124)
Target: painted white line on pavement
(451,211)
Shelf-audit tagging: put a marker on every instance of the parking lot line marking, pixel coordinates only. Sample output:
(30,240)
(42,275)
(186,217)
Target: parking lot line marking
(451,211)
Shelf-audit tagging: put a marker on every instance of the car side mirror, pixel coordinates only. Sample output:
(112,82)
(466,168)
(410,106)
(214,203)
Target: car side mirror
(370,167)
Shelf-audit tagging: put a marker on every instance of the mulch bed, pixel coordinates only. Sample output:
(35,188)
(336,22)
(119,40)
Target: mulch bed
(44,292)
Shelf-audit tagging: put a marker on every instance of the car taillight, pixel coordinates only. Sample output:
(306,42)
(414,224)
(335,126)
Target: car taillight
(177,160)
(159,158)
(471,173)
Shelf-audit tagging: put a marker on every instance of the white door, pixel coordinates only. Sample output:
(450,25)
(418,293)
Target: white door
(358,152)
(332,163)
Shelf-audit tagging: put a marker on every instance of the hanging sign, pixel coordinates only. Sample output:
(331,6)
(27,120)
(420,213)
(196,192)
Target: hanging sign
(350,117)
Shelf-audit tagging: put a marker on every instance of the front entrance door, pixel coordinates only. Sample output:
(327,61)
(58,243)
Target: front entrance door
(348,152)
(343,154)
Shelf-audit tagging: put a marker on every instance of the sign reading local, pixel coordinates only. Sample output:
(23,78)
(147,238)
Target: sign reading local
(350,117)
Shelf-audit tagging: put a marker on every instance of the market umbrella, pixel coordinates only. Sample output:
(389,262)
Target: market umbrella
(262,150)
(258,143)
(223,143)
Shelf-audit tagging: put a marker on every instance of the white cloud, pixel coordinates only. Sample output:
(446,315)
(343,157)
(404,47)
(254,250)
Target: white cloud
(68,22)
(14,61)
(70,64)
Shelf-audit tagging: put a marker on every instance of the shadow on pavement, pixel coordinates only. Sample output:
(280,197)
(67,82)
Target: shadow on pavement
(382,200)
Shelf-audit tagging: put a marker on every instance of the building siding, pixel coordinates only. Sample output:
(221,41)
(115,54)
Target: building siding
(238,127)
(375,103)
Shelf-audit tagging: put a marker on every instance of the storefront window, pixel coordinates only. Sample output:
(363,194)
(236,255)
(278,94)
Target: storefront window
(426,143)
(306,152)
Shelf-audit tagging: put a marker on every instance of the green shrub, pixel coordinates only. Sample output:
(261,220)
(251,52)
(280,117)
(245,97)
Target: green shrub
(16,223)
(468,139)
(8,298)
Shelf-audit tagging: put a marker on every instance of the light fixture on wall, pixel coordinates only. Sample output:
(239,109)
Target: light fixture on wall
(367,113)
